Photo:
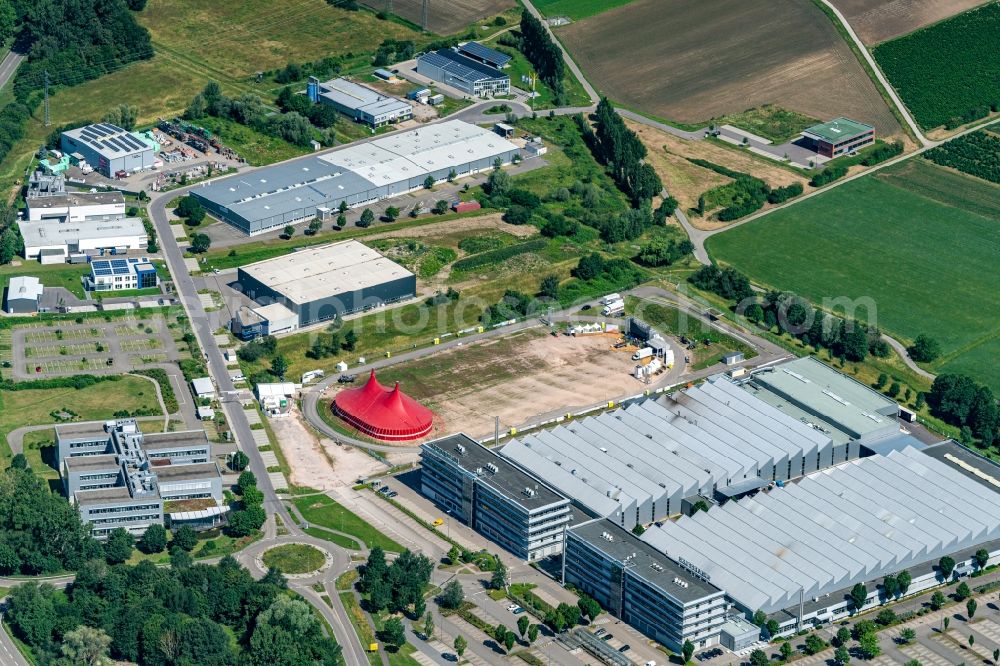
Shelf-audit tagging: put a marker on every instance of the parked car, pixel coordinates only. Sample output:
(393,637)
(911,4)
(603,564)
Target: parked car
(625,648)
(391,493)
(518,610)
(600,631)
(587,306)
(606,637)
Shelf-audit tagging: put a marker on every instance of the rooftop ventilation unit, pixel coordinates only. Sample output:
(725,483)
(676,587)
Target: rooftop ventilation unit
(530,492)
(492,468)
(460,448)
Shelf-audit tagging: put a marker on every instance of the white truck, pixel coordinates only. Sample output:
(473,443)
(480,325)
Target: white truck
(611,298)
(645,352)
(614,308)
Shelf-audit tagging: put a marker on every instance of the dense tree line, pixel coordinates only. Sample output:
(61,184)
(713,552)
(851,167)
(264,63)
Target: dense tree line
(11,243)
(726,282)
(881,152)
(182,615)
(745,195)
(250,516)
(319,114)
(393,50)
(948,73)
(544,54)
(964,402)
(977,154)
(399,587)
(845,338)
(40,533)
(619,148)
(661,252)
(250,110)
(828,175)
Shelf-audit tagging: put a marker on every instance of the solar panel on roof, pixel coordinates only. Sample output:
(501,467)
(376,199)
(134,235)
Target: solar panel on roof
(133,142)
(101,263)
(102,271)
(119,262)
(120,271)
(98,130)
(121,144)
(112,129)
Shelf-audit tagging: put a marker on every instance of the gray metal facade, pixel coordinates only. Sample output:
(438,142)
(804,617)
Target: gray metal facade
(21,305)
(641,586)
(458,71)
(108,149)
(499,501)
(334,305)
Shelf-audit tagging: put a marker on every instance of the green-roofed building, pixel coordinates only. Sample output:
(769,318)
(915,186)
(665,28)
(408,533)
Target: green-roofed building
(839,137)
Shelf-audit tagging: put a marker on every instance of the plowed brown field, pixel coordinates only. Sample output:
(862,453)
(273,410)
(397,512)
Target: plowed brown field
(879,20)
(690,60)
(444,16)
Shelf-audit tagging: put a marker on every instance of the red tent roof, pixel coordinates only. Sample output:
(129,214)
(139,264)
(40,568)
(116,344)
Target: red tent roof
(387,414)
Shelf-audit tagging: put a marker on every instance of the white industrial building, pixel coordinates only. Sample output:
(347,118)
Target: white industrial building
(638,464)
(122,274)
(48,199)
(359,174)
(802,547)
(358,102)
(54,240)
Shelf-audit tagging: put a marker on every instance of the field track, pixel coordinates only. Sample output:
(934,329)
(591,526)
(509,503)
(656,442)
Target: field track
(880,20)
(445,17)
(690,61)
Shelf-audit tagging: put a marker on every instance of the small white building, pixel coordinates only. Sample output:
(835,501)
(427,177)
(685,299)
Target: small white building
(275,399)
(206,413)
(278,318)
(203,387)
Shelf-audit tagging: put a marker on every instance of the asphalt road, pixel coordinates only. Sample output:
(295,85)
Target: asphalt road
(9,66)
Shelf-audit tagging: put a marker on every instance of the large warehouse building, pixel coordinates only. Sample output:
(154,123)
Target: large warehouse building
(798,550)
(322,282)
(356,175)
(358,102)
(109,149)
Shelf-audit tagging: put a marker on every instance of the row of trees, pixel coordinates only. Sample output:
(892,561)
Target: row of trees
(206,615)
(398,587)
(320,115)
(544,54)
(250,110)
(967,404)
(11,243)
(250,516)
(621,150)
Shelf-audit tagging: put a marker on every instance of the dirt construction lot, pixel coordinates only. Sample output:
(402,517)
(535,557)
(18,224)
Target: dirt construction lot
(319,463)
(690,61)
(519,378)
(880,20)
(444,16)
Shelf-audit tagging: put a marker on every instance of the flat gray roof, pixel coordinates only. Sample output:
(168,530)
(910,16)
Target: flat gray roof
(509,481)
(848,524)
(180,472)
(361,98)
(834,397)
(82,431)
(75,199)
(85,463)
(644,561)
(174,440)
(118,495)
(318,272)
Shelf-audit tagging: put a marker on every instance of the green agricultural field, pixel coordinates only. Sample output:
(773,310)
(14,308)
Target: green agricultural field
(946,71)
(51,275)
(921,254)
(577,9)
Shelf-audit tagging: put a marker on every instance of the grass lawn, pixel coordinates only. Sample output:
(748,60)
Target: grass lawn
(294,558)
(519,65)
(240,38)
(361,625)
(97,402)
(39,449)
(222,545)
(771,122)
(576,9)
(921,255)
(342,541)
(323,511)
(51,275)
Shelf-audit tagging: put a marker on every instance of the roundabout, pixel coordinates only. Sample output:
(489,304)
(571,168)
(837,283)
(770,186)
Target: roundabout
(295,560)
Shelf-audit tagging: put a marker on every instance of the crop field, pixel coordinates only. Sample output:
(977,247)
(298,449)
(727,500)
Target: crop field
(878,20)
(977,154)
(576,9)
(445,16)
(948,69)
(921,242)
(690,61)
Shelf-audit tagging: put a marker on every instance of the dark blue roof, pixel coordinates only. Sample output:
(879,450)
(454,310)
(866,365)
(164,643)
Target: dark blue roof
(461,66)
(490,56)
